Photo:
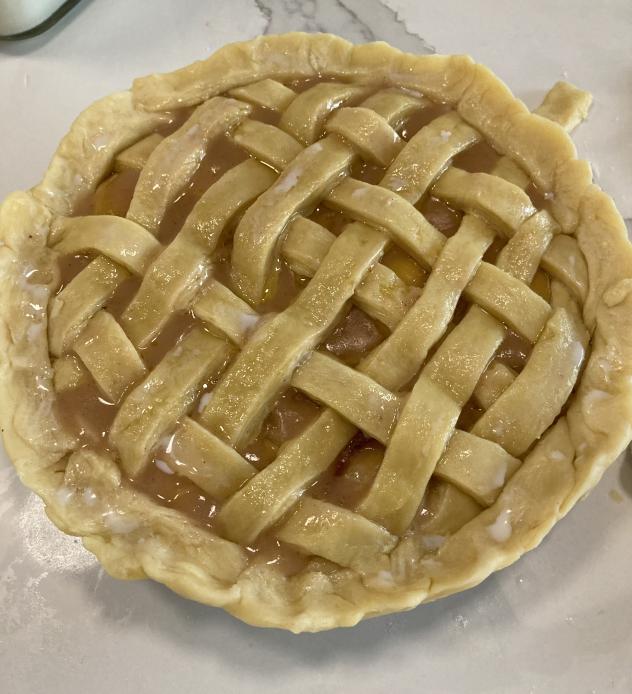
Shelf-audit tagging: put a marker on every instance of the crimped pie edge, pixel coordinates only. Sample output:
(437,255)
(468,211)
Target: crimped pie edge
(591,435)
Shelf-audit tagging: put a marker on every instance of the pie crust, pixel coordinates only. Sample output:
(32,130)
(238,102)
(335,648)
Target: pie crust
(549,431)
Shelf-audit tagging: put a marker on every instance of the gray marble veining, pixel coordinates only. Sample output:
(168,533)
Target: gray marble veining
(355,20)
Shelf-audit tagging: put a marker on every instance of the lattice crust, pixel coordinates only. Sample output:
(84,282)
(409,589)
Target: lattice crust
(488,488)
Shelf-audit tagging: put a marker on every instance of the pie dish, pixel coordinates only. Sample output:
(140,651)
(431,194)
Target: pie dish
(314,331)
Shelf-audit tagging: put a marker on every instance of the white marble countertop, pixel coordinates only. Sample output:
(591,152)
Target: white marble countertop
(560,620)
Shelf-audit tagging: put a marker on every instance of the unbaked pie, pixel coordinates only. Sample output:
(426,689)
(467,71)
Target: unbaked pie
(314,331)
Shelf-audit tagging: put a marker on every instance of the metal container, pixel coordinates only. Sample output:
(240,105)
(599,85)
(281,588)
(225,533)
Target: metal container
(24,18)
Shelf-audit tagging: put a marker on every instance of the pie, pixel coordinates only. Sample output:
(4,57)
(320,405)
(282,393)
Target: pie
(314,331)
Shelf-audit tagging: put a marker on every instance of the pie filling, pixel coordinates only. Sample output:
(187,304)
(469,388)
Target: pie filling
(176,470)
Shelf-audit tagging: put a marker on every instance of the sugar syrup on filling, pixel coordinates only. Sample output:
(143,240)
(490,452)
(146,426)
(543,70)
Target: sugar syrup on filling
(87,413)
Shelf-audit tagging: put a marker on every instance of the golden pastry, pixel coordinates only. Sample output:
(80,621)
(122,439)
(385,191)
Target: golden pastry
(314,331)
